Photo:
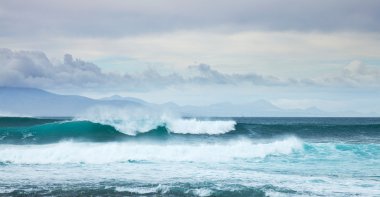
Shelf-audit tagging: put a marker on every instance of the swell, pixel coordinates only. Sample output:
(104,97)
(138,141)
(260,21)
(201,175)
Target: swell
(57,131)
(19,131)
(85,131)
(358,132)
(148,190)
(26,121)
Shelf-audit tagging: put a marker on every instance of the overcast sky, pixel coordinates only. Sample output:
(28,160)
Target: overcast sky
(294,53)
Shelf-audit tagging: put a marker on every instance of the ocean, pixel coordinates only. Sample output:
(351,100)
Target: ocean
(108,156)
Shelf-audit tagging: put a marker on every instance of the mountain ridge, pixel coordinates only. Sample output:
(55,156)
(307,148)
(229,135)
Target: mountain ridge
(38,102)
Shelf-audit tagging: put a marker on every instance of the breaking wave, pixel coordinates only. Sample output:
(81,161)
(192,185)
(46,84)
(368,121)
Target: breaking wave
(99,153)
(104,124)
(132,121)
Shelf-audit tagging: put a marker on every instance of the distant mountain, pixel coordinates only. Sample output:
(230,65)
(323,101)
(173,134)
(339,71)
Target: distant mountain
(37,102)
(120,98)
(257,108)
(260,108)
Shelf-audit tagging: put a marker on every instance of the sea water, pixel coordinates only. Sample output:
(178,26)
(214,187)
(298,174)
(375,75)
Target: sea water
(158,155)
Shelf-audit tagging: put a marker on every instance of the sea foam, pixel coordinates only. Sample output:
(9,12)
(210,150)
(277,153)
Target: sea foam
(100,153)
(134,120)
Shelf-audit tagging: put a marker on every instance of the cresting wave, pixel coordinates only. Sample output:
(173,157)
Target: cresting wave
(132,121)
(103,124)
(133,127)
(100,153)
(260,157)
(97,132)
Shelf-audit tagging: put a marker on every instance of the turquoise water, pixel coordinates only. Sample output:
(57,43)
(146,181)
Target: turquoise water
(190,157)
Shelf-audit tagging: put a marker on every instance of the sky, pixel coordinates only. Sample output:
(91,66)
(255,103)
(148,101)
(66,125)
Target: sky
(293,53)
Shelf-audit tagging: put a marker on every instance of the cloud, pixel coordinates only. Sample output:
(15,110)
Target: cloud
(355,84)
(209,75)
(354,74)
(358,73)
(117,18)
(31,68)
(34,69)
(271,37)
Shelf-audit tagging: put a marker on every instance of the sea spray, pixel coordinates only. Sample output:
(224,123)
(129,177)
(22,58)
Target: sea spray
(194,126)
(132,120)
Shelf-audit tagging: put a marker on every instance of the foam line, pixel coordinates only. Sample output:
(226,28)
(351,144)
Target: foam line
(95,153)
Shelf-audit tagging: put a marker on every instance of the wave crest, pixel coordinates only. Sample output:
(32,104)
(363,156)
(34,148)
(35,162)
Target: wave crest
(132,121)
(194,126)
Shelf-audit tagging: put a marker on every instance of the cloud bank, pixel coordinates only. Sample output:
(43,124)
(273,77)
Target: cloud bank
(34,69)
(270,37)
(119,18)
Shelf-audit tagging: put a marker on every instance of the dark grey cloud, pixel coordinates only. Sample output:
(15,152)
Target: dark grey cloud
(119,18)
(30,68)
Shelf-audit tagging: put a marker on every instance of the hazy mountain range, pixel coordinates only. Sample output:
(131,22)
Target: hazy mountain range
(16,101)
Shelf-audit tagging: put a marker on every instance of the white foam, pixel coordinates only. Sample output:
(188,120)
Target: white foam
(202,192)
(75,152)
(134,120)
(137,190)
(194,126)
(143,190)
(127,120)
